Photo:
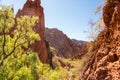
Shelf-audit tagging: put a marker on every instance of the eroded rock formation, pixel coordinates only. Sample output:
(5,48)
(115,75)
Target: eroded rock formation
(65,47)
(33,8)
(104,64)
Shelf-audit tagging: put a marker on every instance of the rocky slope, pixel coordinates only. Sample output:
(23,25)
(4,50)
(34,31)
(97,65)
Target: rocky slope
(33,8)
(104,64)
(65,47)
(79,42)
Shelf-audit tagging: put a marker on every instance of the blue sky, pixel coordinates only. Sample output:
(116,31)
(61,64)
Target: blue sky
(70,16)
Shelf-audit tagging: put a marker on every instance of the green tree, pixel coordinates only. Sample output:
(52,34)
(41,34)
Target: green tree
(17,60)
(15,33)
(15,37)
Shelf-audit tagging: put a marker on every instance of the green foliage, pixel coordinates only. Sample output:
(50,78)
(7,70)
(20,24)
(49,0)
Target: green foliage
(47,73)
(52,49)
(17,61)
(28,67)
(12,41)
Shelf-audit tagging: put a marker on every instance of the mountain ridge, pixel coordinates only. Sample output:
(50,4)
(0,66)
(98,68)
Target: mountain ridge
(65,47)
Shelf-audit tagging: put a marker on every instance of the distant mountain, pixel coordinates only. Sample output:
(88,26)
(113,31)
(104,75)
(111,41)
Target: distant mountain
(79,42)
(64,46)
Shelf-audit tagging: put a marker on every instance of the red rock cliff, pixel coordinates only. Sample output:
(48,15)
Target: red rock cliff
(104,64)
(33,8)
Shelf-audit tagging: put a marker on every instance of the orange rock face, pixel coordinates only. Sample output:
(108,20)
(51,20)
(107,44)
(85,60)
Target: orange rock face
(104,64)
(33,8)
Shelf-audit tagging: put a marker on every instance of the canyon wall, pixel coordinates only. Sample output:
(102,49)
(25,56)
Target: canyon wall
(64,46)
(104,63)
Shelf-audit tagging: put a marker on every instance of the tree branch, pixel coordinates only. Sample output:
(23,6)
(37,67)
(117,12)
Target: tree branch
(4,37)
(14,48)
(7,55)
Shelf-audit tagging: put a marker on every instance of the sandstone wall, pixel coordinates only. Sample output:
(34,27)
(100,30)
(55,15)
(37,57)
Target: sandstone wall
(33,8)
(104,64)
